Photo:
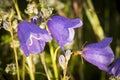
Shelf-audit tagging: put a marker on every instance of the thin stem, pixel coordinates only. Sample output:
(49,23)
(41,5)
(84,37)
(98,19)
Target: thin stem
(82,59)
(17,9)
(93,18)
(31,67)
(44,65)
(64,73)
(15,52)
(53,61)
(65,70)
(29,71)
(56,52)
(23,68)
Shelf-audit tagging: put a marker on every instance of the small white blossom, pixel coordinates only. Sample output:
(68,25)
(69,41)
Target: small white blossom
(6,25)
(31,9)
(47,12)
(14,25)
(11,69)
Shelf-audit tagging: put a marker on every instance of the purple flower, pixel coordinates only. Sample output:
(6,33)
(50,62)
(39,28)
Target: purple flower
(114,68)
(99,54)
(62,29)
(32,38)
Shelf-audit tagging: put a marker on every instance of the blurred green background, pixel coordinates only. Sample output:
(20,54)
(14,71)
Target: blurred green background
(101,18)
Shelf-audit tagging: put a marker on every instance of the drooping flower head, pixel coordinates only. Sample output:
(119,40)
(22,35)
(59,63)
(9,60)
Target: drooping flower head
(62,29)
(114,68)
(99,54)
(32,38)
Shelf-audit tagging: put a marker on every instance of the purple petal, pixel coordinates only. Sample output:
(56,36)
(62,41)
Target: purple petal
(74,23)
(25,49)
(32,38)
(58,31)
(35,46)
(99,57)
(45,37)
(99,54)
(25,28)
(105,42)
(114,69)
(61,29)
(71,34)
(68,23)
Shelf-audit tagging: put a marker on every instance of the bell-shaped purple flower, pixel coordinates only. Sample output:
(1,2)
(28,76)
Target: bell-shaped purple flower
(32,38)
(62,29)
(114,68)
(99,54)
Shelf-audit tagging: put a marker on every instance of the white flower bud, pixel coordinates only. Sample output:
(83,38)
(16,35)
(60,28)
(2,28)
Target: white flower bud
(62,61)
(68,55)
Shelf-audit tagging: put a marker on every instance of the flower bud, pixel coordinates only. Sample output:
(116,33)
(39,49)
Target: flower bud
(62,61)
(68,54)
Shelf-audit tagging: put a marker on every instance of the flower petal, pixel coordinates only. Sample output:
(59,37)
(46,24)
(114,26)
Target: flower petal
(99,57)
(25,49)
(35,45)
(45,37)
(61,29)
(99,54)
(71,34)
(68,23)
(114,69)
(32,38)
(59,32)
(74,23)
(105,42)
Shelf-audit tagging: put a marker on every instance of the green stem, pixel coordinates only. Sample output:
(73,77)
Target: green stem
(23,68)
(56,50)
(31,67)
(93,18)
(64,73)
(15,52)
(53,61)
(17,9)
(65,70)
(44,65)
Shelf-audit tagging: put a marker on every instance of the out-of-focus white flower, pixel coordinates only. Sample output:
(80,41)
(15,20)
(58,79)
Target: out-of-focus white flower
(31,9)
(6,25)
(14,25)
(11,69)
(47,12)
